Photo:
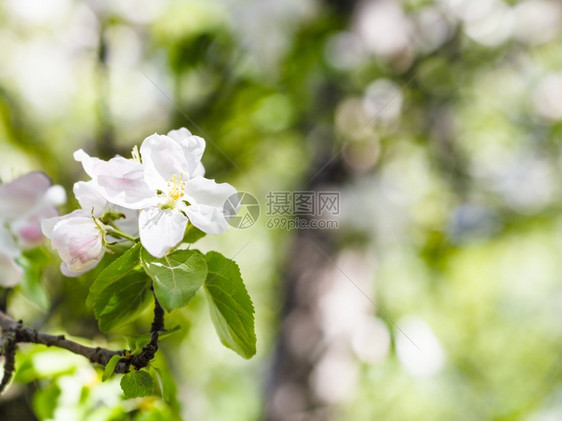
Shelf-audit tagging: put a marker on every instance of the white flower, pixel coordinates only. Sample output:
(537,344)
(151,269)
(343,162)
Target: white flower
(27,200)
(77,236)
(88,195)
(23,203)
(78,239)
(168,188)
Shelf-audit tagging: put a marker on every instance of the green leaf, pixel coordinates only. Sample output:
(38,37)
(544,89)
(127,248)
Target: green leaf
(177,277)
(128,298)
(110,367)
(231,307)
(137,384)
(115,271)
(192,234)
(121,292)
(160,380)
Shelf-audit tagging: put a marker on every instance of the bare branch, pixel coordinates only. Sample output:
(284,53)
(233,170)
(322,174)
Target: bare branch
(16,332)
(25,334)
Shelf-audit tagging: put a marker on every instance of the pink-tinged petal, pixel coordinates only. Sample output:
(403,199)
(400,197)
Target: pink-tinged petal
(91,165)
(79,242)
(193,148)
(28,231)
(10,272)
(162,158)
(23,194)
(120,180)
(116,166)
(48,225)
(129,193)
(161,230)
(65,270)
(89,196)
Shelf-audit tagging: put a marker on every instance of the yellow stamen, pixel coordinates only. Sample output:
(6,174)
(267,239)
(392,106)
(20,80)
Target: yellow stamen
(135,154)
(176,187)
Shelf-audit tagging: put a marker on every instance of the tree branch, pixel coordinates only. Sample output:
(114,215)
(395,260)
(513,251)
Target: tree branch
(25,334)
(149,351)
(8,349)
(16,332)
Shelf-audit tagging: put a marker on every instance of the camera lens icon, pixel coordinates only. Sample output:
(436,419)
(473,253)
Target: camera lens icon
(241,210)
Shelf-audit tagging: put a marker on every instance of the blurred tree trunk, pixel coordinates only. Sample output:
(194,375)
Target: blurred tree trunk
(301,340)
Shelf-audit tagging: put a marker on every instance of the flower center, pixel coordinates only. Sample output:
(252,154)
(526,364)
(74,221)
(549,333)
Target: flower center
(176,188)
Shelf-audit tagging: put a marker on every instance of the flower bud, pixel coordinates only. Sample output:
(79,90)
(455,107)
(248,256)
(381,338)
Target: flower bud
(78,240)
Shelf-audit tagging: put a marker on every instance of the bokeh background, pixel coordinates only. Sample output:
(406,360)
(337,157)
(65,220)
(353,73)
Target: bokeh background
(439,122)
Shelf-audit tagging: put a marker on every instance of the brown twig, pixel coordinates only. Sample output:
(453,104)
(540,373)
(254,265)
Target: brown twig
(25,334)
(8,349)
(149,351)
(16,332)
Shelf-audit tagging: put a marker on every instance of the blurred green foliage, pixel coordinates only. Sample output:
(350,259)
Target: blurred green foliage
(448,120)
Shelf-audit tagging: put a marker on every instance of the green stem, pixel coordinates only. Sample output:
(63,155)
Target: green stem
(118,233)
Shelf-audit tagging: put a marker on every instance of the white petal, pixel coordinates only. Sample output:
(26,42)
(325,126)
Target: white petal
(22,195)
(90,164)
(7,244)
(193,148)
(69,273)
(47,225)
(179,134)
(203,191)
(56,195)
(120,180)
(89,196)
(207,200)
(208,219)
(162,158)
(199,171)
(10,271)
(160,230)
(130,223)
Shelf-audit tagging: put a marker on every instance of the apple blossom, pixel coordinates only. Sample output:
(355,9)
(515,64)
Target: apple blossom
(78,239)
(24,202)
(90,199)
(166,184)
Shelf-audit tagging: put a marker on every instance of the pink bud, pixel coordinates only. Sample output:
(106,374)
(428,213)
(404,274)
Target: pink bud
(78,240)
